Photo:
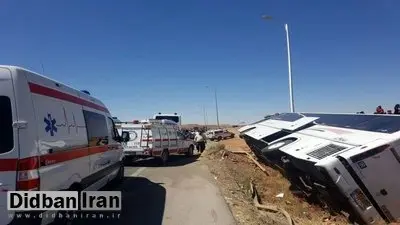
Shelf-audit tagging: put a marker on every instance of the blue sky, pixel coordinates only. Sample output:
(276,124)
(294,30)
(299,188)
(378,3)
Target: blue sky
(142,57)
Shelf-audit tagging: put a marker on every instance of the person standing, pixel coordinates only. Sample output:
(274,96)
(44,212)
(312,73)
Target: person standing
(396,109)
(379,110)
(200,141)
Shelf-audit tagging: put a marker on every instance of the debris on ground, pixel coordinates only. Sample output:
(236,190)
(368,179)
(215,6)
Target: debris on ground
(238,172)
(271,208)
(280,195)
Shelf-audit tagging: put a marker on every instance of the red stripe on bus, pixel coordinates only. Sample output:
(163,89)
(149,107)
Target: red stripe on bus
(41,90)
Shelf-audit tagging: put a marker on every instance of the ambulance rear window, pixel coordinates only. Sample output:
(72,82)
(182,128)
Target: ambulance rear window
(6,129)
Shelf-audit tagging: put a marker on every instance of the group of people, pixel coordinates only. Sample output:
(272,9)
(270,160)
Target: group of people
(199,137)
(380,110)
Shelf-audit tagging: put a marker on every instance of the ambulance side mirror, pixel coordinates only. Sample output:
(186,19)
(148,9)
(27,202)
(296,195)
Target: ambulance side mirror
(125,137)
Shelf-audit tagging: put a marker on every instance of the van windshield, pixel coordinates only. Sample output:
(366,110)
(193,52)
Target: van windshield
(6,129)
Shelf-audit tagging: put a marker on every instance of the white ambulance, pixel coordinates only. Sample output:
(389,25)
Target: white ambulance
(167,116)
(155,138)
(53,137)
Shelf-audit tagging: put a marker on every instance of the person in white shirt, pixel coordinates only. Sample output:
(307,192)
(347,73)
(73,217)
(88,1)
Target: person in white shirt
(200,140)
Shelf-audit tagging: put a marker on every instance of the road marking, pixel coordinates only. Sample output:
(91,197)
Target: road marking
(137,172)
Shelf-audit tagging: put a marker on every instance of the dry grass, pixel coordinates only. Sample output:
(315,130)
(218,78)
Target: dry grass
(213,148)
(235,144)
(234,173)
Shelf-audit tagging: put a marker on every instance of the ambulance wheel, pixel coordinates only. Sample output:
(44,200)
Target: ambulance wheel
(128,160)
(120,176)
(189,153)
(219,138)
(164,158)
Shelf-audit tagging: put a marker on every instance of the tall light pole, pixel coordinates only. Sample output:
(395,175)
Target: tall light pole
(291,99)
(206,120)
(216,105)
(205,116)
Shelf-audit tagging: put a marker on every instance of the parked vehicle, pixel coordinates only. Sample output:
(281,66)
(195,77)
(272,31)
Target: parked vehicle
(167,116)
(338,157)
(155,138)
(219,134)
(53,137)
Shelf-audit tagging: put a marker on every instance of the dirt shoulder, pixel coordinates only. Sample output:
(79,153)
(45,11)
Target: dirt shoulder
(233,173)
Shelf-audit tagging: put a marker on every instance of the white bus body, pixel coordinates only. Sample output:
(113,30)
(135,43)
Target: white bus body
(343,155)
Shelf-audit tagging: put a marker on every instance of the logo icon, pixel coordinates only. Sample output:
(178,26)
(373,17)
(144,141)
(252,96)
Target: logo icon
(134,135)
(50,125)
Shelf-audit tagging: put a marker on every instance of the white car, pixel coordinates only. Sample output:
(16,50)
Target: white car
(53,137)
(219,134)
(155,138)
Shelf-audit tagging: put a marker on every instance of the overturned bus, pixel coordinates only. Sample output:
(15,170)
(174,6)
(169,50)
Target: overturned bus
(350,158)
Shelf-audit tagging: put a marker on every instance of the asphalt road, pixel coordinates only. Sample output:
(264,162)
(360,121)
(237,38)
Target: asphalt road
(183,193)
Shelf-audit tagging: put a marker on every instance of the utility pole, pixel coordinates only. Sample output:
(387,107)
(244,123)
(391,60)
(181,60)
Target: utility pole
(216,106)
(205,115)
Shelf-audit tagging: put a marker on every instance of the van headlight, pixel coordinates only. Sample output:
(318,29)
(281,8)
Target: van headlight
(360,199)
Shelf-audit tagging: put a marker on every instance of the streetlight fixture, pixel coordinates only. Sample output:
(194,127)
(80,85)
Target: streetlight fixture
(267,17)
(216,105)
